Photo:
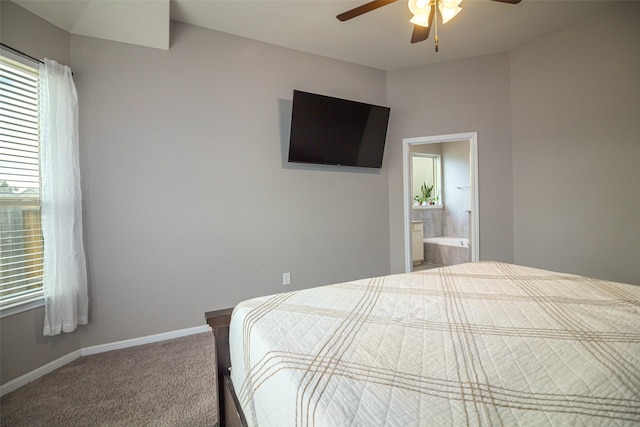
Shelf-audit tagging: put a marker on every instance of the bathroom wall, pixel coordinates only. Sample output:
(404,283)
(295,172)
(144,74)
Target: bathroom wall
(455,175)
(427,148)
(455,222)
(432,219)
(443,222)
(457,191)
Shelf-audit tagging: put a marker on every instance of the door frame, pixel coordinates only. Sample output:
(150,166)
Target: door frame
(474,234)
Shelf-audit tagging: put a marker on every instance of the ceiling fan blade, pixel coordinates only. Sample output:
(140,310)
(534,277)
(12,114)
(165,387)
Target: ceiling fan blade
(509,1)
(360,10)
(421,33)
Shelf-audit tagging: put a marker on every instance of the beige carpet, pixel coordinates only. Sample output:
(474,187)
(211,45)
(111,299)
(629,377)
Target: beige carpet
(169,383)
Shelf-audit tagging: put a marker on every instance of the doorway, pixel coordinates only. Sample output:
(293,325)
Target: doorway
(456,189)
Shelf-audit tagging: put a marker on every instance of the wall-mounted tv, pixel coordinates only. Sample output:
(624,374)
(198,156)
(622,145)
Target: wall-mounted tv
(334,131)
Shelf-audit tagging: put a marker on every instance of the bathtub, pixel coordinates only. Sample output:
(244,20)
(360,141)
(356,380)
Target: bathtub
(448,241)
(441,251)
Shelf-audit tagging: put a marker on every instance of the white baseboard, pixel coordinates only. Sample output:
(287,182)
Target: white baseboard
(144,340)
(40,372)
(58,363)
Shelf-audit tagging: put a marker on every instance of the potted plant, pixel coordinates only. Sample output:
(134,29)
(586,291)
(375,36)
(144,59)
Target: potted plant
(426,193)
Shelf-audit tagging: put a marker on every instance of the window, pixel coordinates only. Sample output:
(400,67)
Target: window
(21,243)
(426,173)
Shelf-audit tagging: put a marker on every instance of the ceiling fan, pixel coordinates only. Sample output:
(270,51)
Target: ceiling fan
(424,12)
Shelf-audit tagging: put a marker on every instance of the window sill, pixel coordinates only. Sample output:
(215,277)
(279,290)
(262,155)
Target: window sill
(427,207)
(22,306)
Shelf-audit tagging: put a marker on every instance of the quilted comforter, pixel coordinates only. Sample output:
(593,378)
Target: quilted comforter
(474,344)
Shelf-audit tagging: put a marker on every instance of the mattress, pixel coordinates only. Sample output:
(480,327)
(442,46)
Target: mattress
(473,344)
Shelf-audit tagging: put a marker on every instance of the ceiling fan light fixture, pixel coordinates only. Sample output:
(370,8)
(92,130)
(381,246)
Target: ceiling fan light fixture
(448,11)
(422,20)
(450,3)
(419,7)
(424,14)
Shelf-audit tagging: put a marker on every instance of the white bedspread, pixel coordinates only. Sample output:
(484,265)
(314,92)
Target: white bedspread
(474,344)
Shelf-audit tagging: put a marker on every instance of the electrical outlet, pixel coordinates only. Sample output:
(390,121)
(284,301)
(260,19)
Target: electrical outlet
(286,279)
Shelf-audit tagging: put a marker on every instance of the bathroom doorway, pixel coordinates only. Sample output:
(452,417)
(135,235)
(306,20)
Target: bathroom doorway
(441,223)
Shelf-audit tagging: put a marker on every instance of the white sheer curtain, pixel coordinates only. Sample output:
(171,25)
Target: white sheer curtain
(65,273)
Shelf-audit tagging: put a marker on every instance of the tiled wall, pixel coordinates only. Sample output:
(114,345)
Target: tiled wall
(445,255)
(447,223)
(432,219)
(456,223)
(443,222)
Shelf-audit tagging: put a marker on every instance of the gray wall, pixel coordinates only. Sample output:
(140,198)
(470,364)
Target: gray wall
(576,147)
(460,96)
(189,202)
(31,34)
(22,346)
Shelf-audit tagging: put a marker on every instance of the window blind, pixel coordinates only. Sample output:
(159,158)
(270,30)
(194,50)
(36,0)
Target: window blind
(21,244)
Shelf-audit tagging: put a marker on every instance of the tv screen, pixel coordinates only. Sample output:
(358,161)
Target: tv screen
(334,131)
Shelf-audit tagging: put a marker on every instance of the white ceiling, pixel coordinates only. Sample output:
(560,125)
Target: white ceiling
(378,39)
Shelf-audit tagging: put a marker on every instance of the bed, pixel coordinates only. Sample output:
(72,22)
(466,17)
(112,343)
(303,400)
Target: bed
(473,344)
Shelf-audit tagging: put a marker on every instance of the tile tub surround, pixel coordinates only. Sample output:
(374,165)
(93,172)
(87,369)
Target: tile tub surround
(443,255)
(443,222)
(447,223)
(451,241)
(456,223)
(432,219)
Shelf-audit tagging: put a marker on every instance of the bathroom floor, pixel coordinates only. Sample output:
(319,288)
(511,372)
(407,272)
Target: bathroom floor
(424,266)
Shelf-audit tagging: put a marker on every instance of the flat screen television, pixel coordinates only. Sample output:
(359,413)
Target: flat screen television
(334,131)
